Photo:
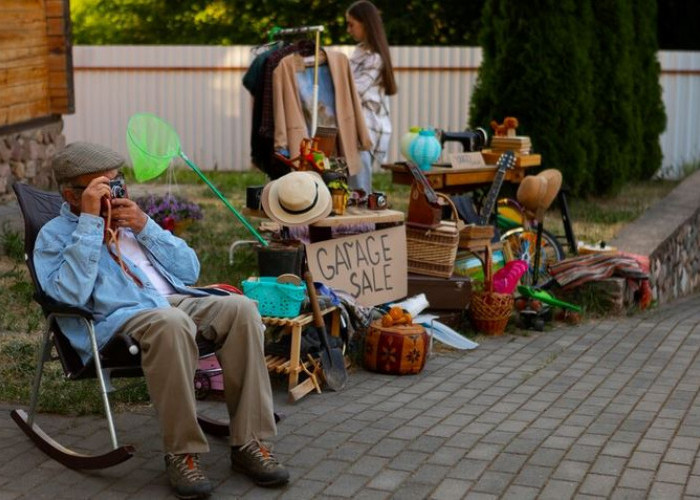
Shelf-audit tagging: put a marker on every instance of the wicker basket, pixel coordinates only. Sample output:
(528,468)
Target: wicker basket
(489,310)
(432,252)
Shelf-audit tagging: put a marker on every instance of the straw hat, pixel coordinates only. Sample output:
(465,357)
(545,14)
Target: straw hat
(297,199)
(537,192)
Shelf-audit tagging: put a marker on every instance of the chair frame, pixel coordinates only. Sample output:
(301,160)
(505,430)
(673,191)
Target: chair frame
(119,358)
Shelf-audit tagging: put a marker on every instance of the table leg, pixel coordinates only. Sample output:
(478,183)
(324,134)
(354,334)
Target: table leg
(566,219)
(294,356)
(335,322)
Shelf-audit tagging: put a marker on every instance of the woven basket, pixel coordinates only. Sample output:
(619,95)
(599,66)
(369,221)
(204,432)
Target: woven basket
(432,252)
(489,310)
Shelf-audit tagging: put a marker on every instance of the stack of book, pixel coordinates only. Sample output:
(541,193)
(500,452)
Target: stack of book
(519,144)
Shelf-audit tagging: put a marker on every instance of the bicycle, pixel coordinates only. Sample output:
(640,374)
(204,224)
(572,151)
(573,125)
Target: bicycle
(519,240)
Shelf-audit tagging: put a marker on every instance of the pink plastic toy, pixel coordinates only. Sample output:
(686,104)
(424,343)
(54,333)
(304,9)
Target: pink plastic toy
(208,377)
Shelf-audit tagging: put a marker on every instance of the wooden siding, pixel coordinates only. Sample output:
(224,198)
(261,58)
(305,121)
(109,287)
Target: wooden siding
(35,60)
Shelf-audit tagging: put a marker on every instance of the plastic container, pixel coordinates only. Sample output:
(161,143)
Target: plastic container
(281,300)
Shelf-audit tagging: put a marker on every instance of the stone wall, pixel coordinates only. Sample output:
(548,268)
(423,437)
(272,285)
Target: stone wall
(26,156)
(675,265)
(669,234)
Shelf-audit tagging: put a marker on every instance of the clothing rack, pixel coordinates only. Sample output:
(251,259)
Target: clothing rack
(277,31)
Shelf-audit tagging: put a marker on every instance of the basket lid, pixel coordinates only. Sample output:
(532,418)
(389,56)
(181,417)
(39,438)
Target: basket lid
(401,329)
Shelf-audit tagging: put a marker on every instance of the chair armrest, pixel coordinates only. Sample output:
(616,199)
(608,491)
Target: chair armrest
(52,306)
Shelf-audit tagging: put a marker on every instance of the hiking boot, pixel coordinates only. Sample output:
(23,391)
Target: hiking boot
(255,460)
(186,477)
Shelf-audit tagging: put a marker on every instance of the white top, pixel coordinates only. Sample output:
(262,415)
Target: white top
(131,249)
(366,69)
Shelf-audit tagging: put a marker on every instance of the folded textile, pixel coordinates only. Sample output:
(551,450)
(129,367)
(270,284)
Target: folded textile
(575,271)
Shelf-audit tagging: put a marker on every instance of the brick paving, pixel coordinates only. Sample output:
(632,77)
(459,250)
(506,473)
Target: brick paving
(605,409)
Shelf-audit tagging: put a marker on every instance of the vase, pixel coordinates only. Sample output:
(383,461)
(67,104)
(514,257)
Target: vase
(406,141)
(425,149)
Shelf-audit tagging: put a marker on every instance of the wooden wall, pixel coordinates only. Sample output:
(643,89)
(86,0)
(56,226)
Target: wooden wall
(36,77)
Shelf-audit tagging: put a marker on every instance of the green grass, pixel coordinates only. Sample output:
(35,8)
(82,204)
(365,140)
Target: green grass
(18,356)
(593,219)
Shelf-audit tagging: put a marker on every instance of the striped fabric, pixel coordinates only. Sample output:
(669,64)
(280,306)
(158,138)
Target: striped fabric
(573,272)
(366,69)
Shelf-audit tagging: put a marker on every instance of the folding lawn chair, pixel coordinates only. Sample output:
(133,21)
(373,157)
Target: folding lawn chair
(120,357)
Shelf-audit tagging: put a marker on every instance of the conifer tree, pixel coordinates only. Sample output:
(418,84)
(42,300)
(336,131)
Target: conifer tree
(616,127)
(647,88)
(537,67)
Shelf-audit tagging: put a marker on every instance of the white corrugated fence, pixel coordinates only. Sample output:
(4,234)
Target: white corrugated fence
(198,90)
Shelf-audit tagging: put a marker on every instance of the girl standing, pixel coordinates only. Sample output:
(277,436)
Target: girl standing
(374,80)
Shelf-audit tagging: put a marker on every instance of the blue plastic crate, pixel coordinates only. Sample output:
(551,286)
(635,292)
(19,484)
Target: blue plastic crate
(282,300)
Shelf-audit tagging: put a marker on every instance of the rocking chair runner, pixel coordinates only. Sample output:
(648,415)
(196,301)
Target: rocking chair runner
(120,357)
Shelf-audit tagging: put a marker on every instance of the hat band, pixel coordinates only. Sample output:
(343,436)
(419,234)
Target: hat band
(303,210)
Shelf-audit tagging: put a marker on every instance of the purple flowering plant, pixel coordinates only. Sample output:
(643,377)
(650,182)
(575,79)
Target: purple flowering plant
(168,209)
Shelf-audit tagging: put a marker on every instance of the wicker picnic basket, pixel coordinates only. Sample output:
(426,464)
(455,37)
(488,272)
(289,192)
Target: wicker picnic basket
(433,251)
(489,310)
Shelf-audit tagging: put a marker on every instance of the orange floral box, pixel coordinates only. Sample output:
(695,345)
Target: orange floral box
(396,350)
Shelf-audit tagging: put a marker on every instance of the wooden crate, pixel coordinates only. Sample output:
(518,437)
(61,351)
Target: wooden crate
(532,160)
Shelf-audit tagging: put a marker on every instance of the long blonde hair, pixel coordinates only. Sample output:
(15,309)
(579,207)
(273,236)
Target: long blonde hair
(375,38)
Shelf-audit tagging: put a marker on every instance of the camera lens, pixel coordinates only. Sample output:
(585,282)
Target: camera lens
(116,188)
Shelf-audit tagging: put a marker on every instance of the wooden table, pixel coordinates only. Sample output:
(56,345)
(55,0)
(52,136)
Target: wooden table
(449,179)
(453,180)
(322,230)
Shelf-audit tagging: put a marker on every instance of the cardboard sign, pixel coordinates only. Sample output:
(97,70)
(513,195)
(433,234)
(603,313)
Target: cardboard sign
(469,159)
(369,266)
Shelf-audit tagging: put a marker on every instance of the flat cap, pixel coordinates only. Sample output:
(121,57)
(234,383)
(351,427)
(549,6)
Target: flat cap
(80,158)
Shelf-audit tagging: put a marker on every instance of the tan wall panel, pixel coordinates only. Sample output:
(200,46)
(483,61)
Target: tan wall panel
(29,92)
(27,111)
(22,5)
(54,8)
(54,27)
(22,56)
(22,75)
(34,57)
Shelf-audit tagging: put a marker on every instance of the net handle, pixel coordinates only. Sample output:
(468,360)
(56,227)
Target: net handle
(235,212)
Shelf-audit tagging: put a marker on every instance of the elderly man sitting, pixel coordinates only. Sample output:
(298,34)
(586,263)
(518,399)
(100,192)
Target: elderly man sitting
(133,276)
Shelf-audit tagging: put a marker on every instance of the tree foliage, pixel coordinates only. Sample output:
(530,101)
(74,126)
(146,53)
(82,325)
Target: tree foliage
(226,22)
(583,79)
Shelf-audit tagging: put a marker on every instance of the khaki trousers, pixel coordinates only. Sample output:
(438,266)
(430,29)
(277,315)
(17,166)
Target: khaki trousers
(169,356)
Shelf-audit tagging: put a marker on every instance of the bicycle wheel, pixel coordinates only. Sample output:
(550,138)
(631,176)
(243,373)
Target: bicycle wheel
(519,244)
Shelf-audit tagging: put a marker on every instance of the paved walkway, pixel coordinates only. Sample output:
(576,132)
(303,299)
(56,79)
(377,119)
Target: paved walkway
(606,409)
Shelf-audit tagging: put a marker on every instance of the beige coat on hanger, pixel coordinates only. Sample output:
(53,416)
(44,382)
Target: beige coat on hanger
(290,126)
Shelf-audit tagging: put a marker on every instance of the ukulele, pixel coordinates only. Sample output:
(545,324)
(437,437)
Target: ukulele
(505,162)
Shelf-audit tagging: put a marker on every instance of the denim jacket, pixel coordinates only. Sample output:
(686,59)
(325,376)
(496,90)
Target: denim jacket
(73,266)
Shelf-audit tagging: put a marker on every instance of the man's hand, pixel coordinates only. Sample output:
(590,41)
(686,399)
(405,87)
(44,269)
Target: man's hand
(126,213)
(92,195)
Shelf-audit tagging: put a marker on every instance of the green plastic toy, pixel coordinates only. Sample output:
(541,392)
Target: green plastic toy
(546,297)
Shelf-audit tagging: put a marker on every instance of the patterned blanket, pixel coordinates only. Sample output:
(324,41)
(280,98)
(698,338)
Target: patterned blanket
(573,272)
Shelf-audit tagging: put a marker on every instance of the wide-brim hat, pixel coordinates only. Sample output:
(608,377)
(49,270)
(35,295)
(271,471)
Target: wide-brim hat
(537,192)
(297,199)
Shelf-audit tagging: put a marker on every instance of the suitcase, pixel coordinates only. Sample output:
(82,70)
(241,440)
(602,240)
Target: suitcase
(452,293)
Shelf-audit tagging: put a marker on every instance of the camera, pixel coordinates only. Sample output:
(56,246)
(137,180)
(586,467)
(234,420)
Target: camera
(117,188)
(471,140)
